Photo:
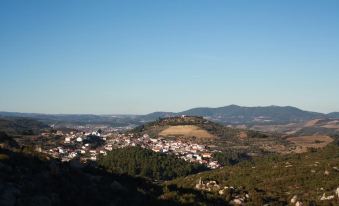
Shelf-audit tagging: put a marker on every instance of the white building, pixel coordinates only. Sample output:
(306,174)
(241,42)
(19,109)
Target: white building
(67,140)
(61,151)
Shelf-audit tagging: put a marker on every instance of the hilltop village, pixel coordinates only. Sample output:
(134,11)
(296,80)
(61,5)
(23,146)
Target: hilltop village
(88,146)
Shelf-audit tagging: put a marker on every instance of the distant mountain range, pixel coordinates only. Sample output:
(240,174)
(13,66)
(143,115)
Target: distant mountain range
(77,119)
(333,115)
(232,114)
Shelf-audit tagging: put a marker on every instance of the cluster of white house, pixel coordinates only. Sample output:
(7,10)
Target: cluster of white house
(75,145)
(186,150)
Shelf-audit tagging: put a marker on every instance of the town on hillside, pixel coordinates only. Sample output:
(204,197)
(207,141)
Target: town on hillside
(88,146)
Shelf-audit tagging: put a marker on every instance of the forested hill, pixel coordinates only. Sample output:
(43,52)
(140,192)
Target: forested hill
(143,162)
(7,141)
(21,126)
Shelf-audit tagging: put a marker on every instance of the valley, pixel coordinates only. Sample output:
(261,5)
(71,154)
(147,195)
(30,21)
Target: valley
(184,160)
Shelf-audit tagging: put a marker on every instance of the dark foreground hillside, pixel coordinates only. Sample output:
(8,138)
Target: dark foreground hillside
(21,126)
(33,179)
(28,178)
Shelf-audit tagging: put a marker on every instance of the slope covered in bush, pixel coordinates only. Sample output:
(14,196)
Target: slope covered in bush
(144,162)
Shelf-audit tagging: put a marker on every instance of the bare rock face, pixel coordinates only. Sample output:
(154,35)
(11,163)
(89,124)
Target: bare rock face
(299,203)
(237,202)
(294,199)
(324,197)
(207,186)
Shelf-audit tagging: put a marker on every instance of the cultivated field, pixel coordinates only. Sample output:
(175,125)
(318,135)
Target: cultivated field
(186,131)
(304,142)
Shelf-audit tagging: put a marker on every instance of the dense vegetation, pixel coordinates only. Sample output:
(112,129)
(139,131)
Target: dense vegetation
(28,180)
(230,157)
(21,126)
(276,179)
(7,141)
(143,162)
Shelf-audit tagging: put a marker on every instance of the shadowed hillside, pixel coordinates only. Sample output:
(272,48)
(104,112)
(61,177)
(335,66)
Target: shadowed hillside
(21,126)
(29,178)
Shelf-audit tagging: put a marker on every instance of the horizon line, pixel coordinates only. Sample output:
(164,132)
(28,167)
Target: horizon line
(135,114)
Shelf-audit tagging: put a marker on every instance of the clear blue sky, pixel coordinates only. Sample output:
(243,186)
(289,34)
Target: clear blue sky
(110,57)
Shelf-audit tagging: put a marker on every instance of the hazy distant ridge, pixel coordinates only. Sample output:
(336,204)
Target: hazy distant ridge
(333,115)
(232,114)
(238,114)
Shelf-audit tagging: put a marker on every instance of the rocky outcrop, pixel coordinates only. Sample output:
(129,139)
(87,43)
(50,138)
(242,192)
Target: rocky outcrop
(330,197)
(294,199)
(324,197)
(233,195)
(299,203)
(207,185)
